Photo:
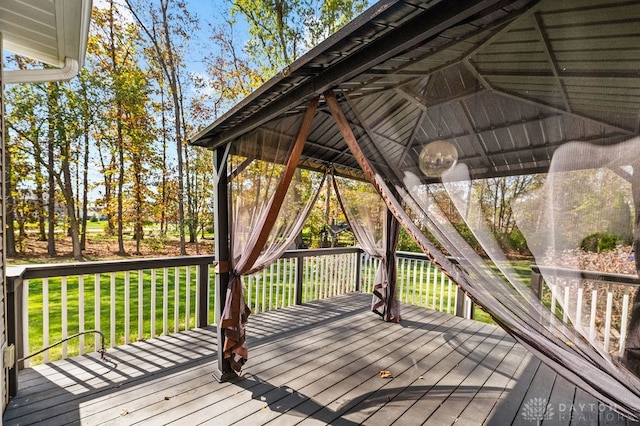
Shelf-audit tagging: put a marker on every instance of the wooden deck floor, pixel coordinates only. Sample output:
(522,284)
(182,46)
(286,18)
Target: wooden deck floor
(313,364)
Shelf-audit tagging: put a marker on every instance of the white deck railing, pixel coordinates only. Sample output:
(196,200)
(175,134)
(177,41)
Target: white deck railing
(133,300)
(420,283)
(597,303)
(125,300)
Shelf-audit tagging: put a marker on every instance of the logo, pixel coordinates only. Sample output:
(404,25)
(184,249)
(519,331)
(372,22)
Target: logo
(537,409)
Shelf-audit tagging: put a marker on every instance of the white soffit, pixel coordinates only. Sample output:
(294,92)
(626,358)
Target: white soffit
(49,31)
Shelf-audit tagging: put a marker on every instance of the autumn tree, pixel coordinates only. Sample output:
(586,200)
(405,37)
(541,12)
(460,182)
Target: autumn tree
(127,130)
(282,30)
(167,27)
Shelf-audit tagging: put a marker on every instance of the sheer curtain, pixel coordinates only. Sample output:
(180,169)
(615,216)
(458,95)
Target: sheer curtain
(377,233)
(510,302)
(271,200)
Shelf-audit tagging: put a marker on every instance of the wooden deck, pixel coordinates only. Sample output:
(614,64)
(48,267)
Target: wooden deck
(318,363)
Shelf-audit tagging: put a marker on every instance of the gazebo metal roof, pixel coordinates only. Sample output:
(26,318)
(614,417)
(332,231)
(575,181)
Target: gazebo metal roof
(506,82)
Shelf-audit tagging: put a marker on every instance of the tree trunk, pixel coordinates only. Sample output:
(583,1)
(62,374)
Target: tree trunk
(85,186)
(51,203)
(173,84)
(119,135)
(42,233)
(10,238)
(163,190)
(67,192)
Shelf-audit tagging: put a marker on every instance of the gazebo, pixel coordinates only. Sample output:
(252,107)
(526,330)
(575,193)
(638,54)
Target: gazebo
(413,94)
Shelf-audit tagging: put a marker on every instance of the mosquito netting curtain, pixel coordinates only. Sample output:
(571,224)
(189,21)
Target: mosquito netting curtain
(270,201)
(377,234)
(568,218)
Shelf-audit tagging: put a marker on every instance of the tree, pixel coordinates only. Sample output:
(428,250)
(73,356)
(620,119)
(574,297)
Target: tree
(162,28)
(128,140)
(282,30)
(231,76)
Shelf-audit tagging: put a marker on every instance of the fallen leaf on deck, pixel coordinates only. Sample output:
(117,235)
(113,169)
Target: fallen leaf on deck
(385,374)
(166,398)
(124,412)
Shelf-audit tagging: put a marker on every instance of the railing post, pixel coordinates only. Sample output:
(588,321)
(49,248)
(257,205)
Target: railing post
(358,269)
(14,327)
(203,295)
(299,278)
(536,281)
(461,305)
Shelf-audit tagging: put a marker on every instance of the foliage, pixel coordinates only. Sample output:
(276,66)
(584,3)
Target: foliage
(600,242)
(282,30)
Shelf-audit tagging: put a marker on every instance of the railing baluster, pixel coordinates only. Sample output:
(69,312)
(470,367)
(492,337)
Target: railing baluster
(355,270)
(565,309)
(319,278)
(553,298)
(579,306)
(327,281)
(338,269)
(264,290)
(256,298)
(176,299)
(441,290)
(450,285)
(277,284)
(435,287)
(96,309)
(165,301)
(198,305)
(127,307)
(367,269)
(292,280)
(415,281)
(607,322)
(45,317)
(187,297)
(112,310)
(401,278)
(421,284)
(428,285)
(337,273)
(81,314)
(623,321)
(152,321)
(328,285)
(64,321)
(140,304)
(592,319)
(309,284)
(250,304)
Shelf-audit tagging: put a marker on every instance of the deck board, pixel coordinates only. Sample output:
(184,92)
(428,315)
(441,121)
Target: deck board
(316,363)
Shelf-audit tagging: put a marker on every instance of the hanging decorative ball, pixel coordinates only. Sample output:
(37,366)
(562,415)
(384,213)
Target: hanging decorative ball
(437,157)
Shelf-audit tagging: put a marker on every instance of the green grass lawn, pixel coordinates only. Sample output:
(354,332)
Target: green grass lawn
(55,289)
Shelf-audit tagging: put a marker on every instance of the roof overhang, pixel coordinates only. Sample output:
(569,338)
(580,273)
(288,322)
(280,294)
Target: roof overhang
(54,32)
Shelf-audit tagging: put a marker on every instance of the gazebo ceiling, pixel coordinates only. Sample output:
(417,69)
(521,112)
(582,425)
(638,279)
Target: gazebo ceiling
(506,82)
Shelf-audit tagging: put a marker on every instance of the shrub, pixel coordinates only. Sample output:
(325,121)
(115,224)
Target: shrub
(600,242)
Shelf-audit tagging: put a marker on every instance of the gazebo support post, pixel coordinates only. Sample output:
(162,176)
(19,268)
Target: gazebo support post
(223,372)
(632,349)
